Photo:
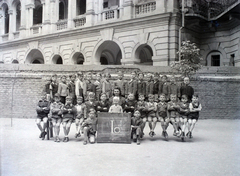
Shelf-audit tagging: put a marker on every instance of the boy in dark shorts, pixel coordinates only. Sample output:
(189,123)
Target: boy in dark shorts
(69,113)
(136,124)
(89,128)
(194,107)
(173,113)
(141,107)
(162,115)
(151,109)
(42,109)
(56,116)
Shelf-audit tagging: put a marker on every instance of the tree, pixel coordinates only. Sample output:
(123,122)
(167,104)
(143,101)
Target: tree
(190,59)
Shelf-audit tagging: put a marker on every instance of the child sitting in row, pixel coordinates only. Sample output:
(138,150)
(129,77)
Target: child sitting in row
(137,126)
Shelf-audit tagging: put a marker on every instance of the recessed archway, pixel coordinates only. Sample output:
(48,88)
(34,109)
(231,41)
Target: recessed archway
(144,54)
(214,58)
(57,59)
(34,57)
(15,61)
(109,53)
(78,58)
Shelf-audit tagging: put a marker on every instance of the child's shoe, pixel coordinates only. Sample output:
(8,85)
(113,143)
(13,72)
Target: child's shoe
(76,135)
(64,139)
(174,133)
(58,139)
(150,134)
(55,139)
(84,142)
(67,139)
(138,141)
(165,135)
(44,134)
(190,135)
(153,133)
(41,134)
(182,136)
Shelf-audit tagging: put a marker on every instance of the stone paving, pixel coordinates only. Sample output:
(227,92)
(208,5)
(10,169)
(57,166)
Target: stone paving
(214,150)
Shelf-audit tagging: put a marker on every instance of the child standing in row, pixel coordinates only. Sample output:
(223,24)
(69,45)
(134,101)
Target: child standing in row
(62,89)
(136,124)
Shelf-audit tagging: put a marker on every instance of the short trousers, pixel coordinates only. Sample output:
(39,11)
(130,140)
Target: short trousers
(67,120)
(193,116)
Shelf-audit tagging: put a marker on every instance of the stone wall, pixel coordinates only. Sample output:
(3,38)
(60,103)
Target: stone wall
(21,86)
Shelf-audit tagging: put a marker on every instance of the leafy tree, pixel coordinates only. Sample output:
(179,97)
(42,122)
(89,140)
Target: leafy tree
(190,59)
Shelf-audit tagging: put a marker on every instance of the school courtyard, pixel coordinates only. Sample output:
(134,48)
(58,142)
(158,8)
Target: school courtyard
(214,150)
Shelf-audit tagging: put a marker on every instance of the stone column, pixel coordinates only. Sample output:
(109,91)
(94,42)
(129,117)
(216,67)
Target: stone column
(161,6)
(120,8)
(1,22)
(127,9)
(100,10)
(46,17)
(11,25)
(22,28)
(54,14)
(90,13)
(71,13)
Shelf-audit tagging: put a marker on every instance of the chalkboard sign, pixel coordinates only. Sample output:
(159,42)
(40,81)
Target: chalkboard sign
(114,128)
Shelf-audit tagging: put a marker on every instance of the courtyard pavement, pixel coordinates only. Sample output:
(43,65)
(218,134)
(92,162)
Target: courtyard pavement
(214,151)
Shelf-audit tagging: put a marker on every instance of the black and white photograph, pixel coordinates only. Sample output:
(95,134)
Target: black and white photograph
(119,87)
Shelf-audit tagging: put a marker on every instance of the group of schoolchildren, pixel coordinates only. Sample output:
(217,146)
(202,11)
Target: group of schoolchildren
(153,99)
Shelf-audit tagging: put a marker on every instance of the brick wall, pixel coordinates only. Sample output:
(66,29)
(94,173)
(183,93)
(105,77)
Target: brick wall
(21,85)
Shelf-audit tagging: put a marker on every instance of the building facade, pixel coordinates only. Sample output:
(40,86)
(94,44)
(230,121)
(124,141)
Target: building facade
(117,32)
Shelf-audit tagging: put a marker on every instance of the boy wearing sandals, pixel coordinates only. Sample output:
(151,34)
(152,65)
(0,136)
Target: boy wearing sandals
(56,116)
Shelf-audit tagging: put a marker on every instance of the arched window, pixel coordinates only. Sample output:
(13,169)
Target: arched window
(78,58)
(63,9)
(37,13)
(18,16)
(6,18)
(144,53)
(81,7)
(15,61)
(34,57)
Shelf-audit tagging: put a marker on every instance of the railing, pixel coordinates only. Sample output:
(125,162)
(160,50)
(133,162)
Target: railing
(5,37)
(79,21)
(62,24)
(36,29)
(144,8)
(209,9)
(16,35)
(112,13)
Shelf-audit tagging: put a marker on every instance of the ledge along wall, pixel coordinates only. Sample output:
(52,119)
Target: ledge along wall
(21,86)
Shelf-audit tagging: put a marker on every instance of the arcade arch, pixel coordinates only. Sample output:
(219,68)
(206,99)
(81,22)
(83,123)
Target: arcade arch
(57,59)
(109,53)
(144,54)
(34,57)
(78,58)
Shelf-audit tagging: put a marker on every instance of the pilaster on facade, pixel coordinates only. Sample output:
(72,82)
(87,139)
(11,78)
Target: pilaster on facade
(127,9)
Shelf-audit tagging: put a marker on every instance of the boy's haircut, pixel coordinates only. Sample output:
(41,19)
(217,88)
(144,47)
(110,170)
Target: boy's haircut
(63,76)
(91,94)
(73,75)
(136,111)
(150,96)
(162,94)
(54,75)
(107,75)
(184,96)
(99,74)
(57,95)
(141,95)
(195,95)
(68,98)
(156,74)
(79,97)
(140,73)
(173,95)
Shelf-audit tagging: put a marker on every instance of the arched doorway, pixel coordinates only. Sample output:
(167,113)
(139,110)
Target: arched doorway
(57,59)
(144,53)
(34,57)
(78,58)
(109,53)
